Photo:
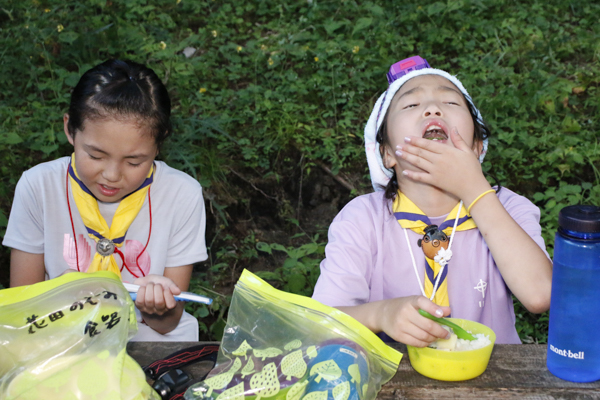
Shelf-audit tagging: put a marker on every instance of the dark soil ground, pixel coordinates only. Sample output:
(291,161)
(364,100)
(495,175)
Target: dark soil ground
(265,213)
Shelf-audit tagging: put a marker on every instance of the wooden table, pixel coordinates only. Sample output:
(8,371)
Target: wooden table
(514,371)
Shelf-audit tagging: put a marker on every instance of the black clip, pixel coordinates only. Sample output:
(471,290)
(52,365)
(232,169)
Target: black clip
(169,382)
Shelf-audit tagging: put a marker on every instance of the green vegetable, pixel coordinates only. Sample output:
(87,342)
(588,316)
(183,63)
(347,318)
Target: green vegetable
(460,332)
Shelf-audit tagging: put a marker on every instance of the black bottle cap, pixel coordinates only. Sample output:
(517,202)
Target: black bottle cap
(580,218)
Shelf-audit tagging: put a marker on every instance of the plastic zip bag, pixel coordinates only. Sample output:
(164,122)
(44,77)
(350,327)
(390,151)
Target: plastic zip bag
(278,345)
(66,338)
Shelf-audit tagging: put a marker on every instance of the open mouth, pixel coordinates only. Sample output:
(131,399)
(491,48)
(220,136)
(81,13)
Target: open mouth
(435,132)
(108,191)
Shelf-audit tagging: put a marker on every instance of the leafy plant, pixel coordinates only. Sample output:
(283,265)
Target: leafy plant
(211,319)
(270,100)
(300,269)
(532,328)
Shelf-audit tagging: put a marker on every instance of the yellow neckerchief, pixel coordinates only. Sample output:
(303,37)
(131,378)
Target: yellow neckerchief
(97,228)
(409,216)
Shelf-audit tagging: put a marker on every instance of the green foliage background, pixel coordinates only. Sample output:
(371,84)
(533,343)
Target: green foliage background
(279,91)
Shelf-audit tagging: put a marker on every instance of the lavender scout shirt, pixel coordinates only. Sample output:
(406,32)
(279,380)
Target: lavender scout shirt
(367,259)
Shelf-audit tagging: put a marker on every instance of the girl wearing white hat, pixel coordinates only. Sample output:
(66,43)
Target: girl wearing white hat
(434,235)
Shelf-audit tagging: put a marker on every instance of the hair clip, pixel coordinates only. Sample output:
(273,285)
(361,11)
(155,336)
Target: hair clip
(405,66)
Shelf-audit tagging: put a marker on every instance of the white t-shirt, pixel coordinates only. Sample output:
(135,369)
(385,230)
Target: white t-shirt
(40,223)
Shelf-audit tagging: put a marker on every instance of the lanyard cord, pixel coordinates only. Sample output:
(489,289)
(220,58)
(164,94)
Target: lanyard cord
(119,252)
(72,224)
(414,263)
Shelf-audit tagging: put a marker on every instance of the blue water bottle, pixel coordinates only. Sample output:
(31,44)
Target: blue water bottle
(573,350)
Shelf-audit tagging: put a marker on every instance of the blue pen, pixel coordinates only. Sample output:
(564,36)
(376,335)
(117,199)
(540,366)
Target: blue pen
(183,296)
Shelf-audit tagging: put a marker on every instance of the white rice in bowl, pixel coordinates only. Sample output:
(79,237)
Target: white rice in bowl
(480,341)
(455,344)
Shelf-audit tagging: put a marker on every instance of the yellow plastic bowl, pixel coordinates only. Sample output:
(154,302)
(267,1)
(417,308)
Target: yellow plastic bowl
(453,365)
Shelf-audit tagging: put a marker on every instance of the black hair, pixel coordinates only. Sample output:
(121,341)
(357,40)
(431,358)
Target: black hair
(480,132)
(121,88)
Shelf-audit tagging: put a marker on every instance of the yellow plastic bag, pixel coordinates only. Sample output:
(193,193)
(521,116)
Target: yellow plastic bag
(278,345)
(66,338)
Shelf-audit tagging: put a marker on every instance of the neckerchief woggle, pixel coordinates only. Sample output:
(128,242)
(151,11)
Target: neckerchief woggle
(106,238)
(409,216)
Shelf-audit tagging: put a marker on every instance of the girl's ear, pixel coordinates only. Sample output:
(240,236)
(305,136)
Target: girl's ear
(389,157)
(478,147)
(66,128)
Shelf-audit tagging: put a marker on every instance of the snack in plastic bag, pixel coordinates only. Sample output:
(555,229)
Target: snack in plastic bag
(66,338)
(278,345)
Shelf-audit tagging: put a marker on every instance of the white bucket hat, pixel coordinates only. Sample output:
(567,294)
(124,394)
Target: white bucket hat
(398,75)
